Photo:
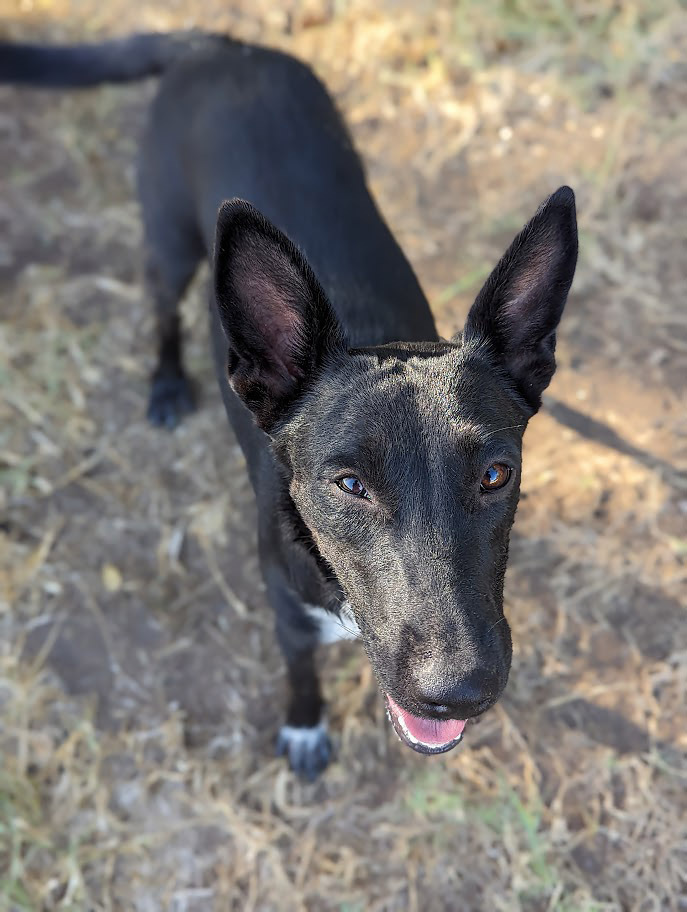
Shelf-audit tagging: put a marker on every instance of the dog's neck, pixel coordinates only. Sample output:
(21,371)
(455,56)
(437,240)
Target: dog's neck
(295,531)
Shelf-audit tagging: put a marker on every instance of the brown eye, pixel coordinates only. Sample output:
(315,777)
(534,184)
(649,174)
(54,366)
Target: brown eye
(352,485)
(495,477)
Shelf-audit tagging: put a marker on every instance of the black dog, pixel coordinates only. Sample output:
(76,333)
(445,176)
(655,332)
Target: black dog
(386,469)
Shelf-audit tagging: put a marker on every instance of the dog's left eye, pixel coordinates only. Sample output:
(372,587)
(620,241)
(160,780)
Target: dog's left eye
(496,476)
(352,485)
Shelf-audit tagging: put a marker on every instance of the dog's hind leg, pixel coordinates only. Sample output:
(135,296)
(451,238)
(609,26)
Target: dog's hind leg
(173,248)
(170,263)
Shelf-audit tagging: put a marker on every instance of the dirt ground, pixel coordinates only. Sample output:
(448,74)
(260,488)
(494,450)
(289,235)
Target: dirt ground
(140,684)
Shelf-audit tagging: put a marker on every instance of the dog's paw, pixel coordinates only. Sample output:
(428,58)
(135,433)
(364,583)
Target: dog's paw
(309,750)
(171,397)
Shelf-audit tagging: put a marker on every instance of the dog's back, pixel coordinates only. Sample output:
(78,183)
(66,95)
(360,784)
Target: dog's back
(254,123)
(236,120)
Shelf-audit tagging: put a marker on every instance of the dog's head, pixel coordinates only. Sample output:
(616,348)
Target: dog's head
(403,460)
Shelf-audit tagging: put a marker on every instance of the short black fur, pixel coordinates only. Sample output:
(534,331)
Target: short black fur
(330,366)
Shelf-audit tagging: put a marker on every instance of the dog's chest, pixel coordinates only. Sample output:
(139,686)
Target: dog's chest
(334,627)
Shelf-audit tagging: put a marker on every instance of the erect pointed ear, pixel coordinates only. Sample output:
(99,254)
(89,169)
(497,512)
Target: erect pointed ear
(279,325)
(517,311)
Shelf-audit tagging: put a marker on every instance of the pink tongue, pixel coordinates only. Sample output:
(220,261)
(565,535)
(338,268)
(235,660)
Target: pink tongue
(428,731)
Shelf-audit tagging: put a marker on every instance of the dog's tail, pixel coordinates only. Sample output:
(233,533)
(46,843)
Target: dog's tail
(84,65)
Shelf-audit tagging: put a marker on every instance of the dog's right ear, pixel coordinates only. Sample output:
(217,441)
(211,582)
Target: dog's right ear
(278,323)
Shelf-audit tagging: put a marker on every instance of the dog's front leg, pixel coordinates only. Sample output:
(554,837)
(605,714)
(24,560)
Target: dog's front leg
(303,739)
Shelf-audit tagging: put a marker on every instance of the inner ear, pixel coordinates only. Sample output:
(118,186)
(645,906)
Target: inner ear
(279,326)
(268,296)
(518,310)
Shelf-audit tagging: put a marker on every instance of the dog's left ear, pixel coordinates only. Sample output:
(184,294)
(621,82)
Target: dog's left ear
(279,326)
(518,309)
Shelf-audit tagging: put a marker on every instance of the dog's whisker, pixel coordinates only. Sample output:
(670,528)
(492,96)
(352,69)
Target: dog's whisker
(341,624)
(508,427)
(503,618)
(348,629)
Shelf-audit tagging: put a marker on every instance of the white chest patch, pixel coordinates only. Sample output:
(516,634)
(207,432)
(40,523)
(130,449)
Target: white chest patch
(334,627)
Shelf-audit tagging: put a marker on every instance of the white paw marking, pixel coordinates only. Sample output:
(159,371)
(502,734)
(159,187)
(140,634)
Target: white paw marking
(334,627)
(307,738)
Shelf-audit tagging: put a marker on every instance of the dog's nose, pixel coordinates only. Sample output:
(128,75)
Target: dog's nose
(464,698)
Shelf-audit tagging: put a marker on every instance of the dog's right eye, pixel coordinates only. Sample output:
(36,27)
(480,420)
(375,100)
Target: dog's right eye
(354,486)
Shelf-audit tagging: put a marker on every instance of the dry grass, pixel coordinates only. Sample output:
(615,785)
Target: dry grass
(139,681)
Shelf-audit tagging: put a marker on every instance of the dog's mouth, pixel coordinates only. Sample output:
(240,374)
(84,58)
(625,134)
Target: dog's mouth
(426,736)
